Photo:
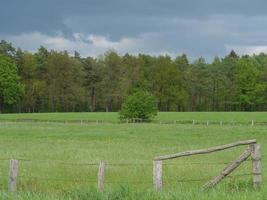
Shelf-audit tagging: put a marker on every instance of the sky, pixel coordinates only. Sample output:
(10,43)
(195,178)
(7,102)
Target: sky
(206,28)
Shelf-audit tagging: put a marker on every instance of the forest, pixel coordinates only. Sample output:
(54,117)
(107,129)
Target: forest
(53,81)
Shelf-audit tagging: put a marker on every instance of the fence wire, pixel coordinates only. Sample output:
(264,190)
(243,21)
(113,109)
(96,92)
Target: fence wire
(205,179)
(137,121)
(114,163)
(118,164)
(57,179)
(108,181)
(22,179)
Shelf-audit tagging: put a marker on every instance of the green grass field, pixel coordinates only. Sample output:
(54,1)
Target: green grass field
(168,116)
(60,161)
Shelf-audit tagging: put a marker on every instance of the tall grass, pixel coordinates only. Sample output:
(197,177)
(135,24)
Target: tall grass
(127,193)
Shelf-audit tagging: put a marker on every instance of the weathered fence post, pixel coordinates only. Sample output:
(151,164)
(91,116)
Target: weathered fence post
(256,164)
(13,172)
(252,122)
(207,122)
(101,175)
(157,174)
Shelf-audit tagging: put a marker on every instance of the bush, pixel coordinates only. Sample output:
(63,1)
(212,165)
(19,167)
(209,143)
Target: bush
(140,104)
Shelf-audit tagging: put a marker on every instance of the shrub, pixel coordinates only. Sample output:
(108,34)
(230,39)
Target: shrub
(140,104)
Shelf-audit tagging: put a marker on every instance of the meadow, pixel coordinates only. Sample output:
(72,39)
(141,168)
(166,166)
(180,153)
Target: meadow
(60,161)
(168,116)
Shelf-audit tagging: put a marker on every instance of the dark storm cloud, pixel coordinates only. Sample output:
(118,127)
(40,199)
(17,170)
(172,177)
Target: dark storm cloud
(197,27)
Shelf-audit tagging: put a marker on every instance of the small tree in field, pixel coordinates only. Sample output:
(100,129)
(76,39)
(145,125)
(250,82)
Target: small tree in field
(141,104)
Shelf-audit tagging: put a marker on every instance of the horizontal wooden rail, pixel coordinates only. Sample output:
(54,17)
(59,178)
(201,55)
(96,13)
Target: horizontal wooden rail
(205,151)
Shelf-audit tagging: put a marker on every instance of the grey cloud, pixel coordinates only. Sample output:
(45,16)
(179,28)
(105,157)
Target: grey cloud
(199,28)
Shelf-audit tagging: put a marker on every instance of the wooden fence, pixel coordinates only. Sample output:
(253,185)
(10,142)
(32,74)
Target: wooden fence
(253,150)
(138,121)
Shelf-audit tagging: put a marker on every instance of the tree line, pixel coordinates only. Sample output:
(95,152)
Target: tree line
(53,81)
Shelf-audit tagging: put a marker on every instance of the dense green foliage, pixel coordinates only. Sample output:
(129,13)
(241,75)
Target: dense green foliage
(10,87)
(59,82)
(52,150)
(140,104)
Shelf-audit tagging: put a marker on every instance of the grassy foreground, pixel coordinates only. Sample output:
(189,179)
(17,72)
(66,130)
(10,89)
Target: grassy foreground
(60,161)
(126,193)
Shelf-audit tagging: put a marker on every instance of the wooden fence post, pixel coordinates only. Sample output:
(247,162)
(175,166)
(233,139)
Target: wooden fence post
(207,122)
(193,122)
(101,175)
(252,122)
(13,172)
(157,174)
(256,164)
